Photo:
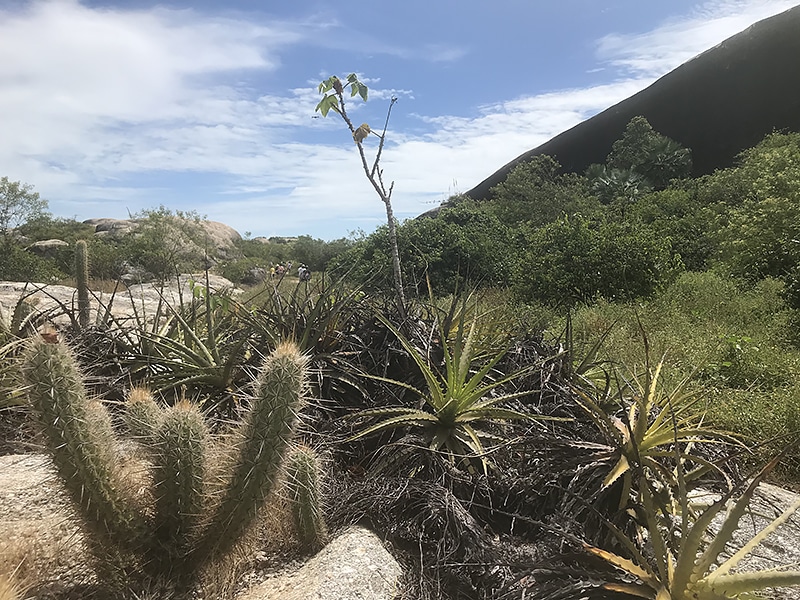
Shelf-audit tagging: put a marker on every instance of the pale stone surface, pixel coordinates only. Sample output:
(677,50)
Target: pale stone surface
(354,566)
(780,549)
(220,237)
(144,297)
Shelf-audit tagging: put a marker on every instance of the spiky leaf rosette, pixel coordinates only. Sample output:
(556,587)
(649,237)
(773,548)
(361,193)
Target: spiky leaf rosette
(81,442)
(303,473)
(262,443)
(180,446)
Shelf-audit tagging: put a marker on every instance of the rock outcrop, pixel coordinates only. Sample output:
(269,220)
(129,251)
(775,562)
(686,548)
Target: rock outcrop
(719,103)
(220,239)
(142,299)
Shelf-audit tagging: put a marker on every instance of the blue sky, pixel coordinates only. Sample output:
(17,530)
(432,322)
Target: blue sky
(108,108)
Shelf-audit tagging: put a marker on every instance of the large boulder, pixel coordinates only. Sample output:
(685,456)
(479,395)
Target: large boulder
(111,227)
(220,239)
(47,248)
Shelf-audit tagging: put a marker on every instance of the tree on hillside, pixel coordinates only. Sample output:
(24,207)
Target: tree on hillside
(535,192)
(18,204)
(679,215)
(762,195)
(333,99)
(640,161)
(655,157)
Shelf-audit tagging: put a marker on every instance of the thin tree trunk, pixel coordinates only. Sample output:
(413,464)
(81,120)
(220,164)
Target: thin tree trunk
(398,274)
(375,177)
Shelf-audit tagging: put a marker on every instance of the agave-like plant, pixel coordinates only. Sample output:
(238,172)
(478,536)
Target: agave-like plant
(683,563)
(655,420)
(200,345)
(461,395)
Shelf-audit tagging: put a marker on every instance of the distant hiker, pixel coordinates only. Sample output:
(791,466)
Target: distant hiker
(303,273)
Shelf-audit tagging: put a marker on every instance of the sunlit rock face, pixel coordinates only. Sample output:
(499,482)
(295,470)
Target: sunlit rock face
(719,103)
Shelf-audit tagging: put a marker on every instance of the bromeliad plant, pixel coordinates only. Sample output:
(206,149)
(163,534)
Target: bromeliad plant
(654,419)
(463,398)
(202,345)
(685,562)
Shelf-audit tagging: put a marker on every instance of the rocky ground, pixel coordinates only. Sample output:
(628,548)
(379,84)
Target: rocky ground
(38,534)
(141,299)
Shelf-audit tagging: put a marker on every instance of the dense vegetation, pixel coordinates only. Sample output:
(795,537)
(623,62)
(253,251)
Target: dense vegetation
(571,357)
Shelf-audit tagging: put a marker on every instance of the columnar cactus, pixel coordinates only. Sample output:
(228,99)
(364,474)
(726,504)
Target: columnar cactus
(199,512)
(303,482)
(82,282)
(179,449)
(81,442)
(262,444)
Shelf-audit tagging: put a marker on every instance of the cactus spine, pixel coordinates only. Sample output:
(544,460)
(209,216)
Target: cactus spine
(195,518)
(303,479)
(82,282)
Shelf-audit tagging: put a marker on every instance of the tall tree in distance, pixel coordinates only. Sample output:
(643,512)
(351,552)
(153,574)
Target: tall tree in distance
(18,204)
(333,91)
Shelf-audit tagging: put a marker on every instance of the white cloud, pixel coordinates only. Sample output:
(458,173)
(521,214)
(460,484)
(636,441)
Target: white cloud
(96,101)
(666,47)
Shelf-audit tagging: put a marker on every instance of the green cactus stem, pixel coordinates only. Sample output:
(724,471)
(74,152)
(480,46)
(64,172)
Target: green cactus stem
(179,450)
(259,451)
(82,282)
(303,483)
(142,414)
(81,442)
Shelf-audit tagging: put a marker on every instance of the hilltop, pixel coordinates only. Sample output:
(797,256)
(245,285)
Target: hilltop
(719,103)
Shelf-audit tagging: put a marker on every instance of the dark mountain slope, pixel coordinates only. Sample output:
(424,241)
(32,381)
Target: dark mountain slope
(719,103)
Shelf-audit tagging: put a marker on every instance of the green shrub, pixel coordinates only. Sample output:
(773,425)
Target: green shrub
(575,260)
(17,264)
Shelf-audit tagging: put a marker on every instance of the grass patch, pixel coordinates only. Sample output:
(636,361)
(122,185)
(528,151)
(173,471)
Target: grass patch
(738,341)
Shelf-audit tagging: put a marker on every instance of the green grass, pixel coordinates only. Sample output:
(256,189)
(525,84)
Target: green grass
(740,342)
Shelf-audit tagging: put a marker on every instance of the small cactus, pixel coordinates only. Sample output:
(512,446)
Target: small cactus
(82,282)
(142,414)
(303,482)
(199,513)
